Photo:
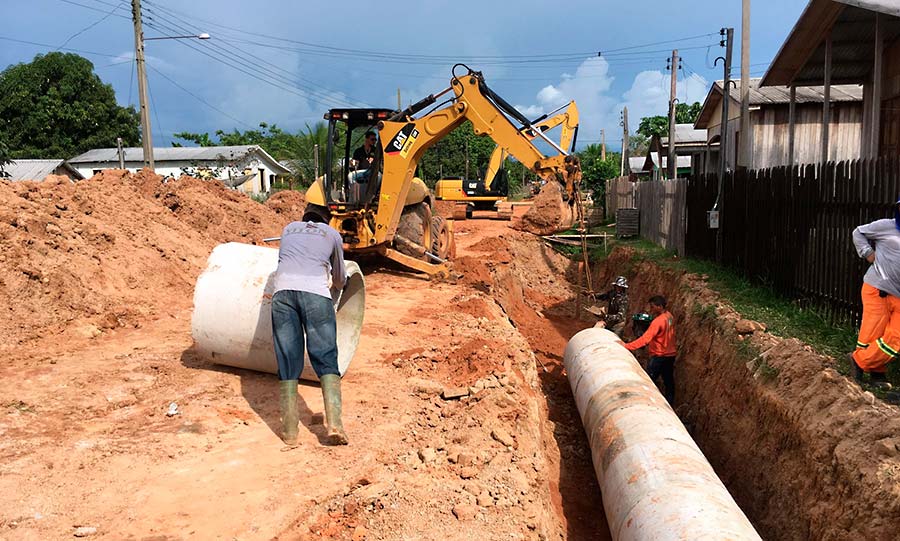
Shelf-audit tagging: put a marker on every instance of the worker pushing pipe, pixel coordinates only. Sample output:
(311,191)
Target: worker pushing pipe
(656,483)
(232,319)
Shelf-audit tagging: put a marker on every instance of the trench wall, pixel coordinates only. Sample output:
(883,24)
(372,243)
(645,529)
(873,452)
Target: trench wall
(805,453)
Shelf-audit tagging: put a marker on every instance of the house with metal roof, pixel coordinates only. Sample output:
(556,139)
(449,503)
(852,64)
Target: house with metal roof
(690,146)
(40,169)
(771,111)
(838,42)
(247,168)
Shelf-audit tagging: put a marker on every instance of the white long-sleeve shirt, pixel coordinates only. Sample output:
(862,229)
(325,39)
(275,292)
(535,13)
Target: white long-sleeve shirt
(884,274)
(311,259)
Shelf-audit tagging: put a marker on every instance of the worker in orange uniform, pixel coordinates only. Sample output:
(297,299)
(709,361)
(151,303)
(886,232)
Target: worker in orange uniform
(879,333)
(660,339)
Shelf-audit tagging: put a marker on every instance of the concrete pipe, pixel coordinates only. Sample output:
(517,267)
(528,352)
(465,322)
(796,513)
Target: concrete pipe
(232,319)
(656,483)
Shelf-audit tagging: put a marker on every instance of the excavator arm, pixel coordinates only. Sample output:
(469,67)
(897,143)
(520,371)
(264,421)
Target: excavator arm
(569,121)
(405,139)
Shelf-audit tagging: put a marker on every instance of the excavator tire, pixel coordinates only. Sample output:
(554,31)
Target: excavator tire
(441,241)
(413,226)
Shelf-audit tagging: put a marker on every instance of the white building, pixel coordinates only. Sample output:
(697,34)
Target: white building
(247,168)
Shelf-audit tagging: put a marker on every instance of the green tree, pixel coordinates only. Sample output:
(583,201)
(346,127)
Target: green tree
(595,171)
(659,124)
(447,157)
(57,107)
(4,158)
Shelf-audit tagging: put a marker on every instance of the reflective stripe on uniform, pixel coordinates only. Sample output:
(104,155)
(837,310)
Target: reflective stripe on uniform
(886,348)
(860,345)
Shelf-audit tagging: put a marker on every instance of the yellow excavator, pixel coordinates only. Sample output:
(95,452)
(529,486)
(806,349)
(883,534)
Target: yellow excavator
(379,206)
(492,191)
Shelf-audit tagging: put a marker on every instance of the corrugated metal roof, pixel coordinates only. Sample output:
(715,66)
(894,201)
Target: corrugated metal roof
(774,95)
(35,169)
(636,163)
(851,24)
(163,154)
(685,134)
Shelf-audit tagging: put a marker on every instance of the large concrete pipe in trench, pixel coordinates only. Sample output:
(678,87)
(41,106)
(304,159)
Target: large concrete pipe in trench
(232,319)
(656,483)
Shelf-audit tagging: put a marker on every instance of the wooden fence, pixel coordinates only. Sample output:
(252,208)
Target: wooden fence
(790,227)
(662,206)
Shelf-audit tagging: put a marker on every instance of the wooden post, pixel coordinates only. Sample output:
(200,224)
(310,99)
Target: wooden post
(673,165)
(877,84)
(399,102)
(625,141)
(826,102)
(146,133)
(746,142)
(792,124)
(120,152)
(603,145)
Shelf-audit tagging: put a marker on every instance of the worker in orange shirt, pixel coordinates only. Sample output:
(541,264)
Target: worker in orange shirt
(660,339)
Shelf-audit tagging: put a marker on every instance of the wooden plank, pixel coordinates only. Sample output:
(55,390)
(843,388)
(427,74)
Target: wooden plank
(826,102)
(792,124)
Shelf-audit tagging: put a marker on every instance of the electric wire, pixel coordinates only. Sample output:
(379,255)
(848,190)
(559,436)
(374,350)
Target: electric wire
(100,10)
(196,97)
(88,27)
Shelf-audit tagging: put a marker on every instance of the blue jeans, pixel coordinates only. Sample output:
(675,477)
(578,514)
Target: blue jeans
(296,314)
(665,367)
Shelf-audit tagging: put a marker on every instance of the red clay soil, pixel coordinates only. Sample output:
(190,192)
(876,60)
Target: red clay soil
(288,203)
(549,214)
(806,453)
(97,279)
(109,251)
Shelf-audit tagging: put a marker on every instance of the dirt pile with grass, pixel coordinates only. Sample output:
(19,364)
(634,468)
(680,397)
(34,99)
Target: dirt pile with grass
(806,453)
(111,251)
(549,214)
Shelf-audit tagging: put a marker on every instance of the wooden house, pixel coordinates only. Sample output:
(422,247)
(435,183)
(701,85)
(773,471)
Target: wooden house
(770,118)
(839,42)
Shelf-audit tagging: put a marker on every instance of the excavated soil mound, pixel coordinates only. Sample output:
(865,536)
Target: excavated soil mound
(288,203)
(113,250)
(549,214)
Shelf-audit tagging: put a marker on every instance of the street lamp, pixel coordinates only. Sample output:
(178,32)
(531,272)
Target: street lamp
(197,36)
(139,39)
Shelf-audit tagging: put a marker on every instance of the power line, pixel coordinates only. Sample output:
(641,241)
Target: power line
(196,97)
(246,65)
(156,114)
(100,10)
(88,27)
(49,46)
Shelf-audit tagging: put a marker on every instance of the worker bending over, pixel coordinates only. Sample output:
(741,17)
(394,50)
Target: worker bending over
(617,310)
(660,339)
(310,264)
(879,334)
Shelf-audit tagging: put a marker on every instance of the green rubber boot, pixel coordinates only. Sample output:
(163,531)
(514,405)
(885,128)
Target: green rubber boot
(331,393)
(290,416)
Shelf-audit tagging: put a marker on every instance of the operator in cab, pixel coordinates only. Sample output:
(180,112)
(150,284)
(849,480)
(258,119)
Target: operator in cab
(363,158)
(310,266)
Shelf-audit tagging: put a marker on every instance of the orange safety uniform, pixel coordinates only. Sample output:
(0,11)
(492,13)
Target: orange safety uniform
(660,337)
(879,334)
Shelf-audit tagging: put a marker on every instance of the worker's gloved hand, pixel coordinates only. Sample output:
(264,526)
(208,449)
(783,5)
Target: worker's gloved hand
(600,325)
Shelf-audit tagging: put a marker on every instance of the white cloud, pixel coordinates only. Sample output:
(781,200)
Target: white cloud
(590,87)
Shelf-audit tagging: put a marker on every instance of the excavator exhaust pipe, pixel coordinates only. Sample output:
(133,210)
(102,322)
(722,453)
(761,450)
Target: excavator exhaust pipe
(232,320)
(655,481)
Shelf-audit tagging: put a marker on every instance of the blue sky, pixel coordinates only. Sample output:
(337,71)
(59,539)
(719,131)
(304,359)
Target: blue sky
(286,62)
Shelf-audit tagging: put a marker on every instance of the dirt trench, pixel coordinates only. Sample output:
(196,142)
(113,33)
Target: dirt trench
(805,453)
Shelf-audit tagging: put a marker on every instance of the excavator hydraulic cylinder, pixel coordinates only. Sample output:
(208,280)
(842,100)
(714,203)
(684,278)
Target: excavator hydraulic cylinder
(232,320)
(656,483)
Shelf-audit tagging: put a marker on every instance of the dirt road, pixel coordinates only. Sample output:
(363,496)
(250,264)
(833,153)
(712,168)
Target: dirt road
(85,440)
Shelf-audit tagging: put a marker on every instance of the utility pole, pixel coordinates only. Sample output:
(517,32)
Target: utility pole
(746,129)
(673,96)
(467,159)
(120,152)
(625,141)
(399,103)
(316,161)
(603,145)
(728,33)
(146,135)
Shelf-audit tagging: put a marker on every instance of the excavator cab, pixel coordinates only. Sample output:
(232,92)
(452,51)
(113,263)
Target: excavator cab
(347,183)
